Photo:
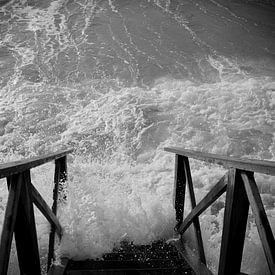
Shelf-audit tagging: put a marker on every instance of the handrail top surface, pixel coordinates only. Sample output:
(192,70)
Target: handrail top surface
(10,168)
(254,165)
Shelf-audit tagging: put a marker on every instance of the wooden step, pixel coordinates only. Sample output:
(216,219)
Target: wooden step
(147,271)
(126,264)
(156,258)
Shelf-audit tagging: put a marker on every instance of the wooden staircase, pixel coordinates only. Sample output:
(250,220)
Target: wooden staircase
(157,258)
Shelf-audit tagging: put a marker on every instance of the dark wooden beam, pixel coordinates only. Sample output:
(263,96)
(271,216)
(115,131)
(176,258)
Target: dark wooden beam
(196,222)
(179,189)
(45,210)
(15,167)
(25,231)
(261,220)
(234,225)
(214,194)
(15,184)
(60,175)
(191,258)
(260,166)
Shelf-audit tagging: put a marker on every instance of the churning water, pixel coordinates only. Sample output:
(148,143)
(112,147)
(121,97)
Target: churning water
(117,81)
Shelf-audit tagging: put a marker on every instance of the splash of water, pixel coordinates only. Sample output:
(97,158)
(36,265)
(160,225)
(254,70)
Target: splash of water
(121,181)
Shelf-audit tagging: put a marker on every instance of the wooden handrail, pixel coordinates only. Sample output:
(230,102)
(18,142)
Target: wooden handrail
(19,215)
(260,166)
(15,167)
(241,191)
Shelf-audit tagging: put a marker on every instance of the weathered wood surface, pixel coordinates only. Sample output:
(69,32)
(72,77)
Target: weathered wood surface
(214,194)
(261,220)
(10,168)
(234,225)
(15,184)
(260,166)
(45,210)
(60,175)
(196,222)
(25,231)
(189,256)
(179,189)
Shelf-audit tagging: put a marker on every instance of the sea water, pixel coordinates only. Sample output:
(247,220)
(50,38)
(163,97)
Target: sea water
(118,81)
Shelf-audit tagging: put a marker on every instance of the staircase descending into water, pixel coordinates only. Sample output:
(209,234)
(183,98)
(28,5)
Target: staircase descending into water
(159,257)
(156,258)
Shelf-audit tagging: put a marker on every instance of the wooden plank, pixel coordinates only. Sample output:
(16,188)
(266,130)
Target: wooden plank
(25,231)
(10,168)
(260,166)
(15,183)
(45,210)
(59,269)
(60,175)
(189,256)
(193,204)
(234,225)
(214,194)
(134,271)
(261,220)
(179,189)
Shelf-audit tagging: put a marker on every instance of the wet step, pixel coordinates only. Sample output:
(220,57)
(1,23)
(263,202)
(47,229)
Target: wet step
(157,258)
(152,271)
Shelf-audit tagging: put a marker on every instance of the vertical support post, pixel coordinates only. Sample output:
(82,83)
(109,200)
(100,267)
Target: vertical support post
(60,175)
(25,231)
(14,184)
(263,226)
(196,222)
(179,190)
(234,225)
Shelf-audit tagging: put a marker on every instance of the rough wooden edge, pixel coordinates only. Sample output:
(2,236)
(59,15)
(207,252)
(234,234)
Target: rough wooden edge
(260,166)
(25,231)
(193,260)
(261,220)
(11,168)
(15,183)
(60,174)
(59,269)
(212,196)
(234,225)
(45,210)
(196,221)
(179,189)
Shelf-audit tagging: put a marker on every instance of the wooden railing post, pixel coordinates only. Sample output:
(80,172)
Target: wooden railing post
(60,175)
(14,184)
(234,225)
(193,204)
(25,231)
(179,189)
(263,226)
